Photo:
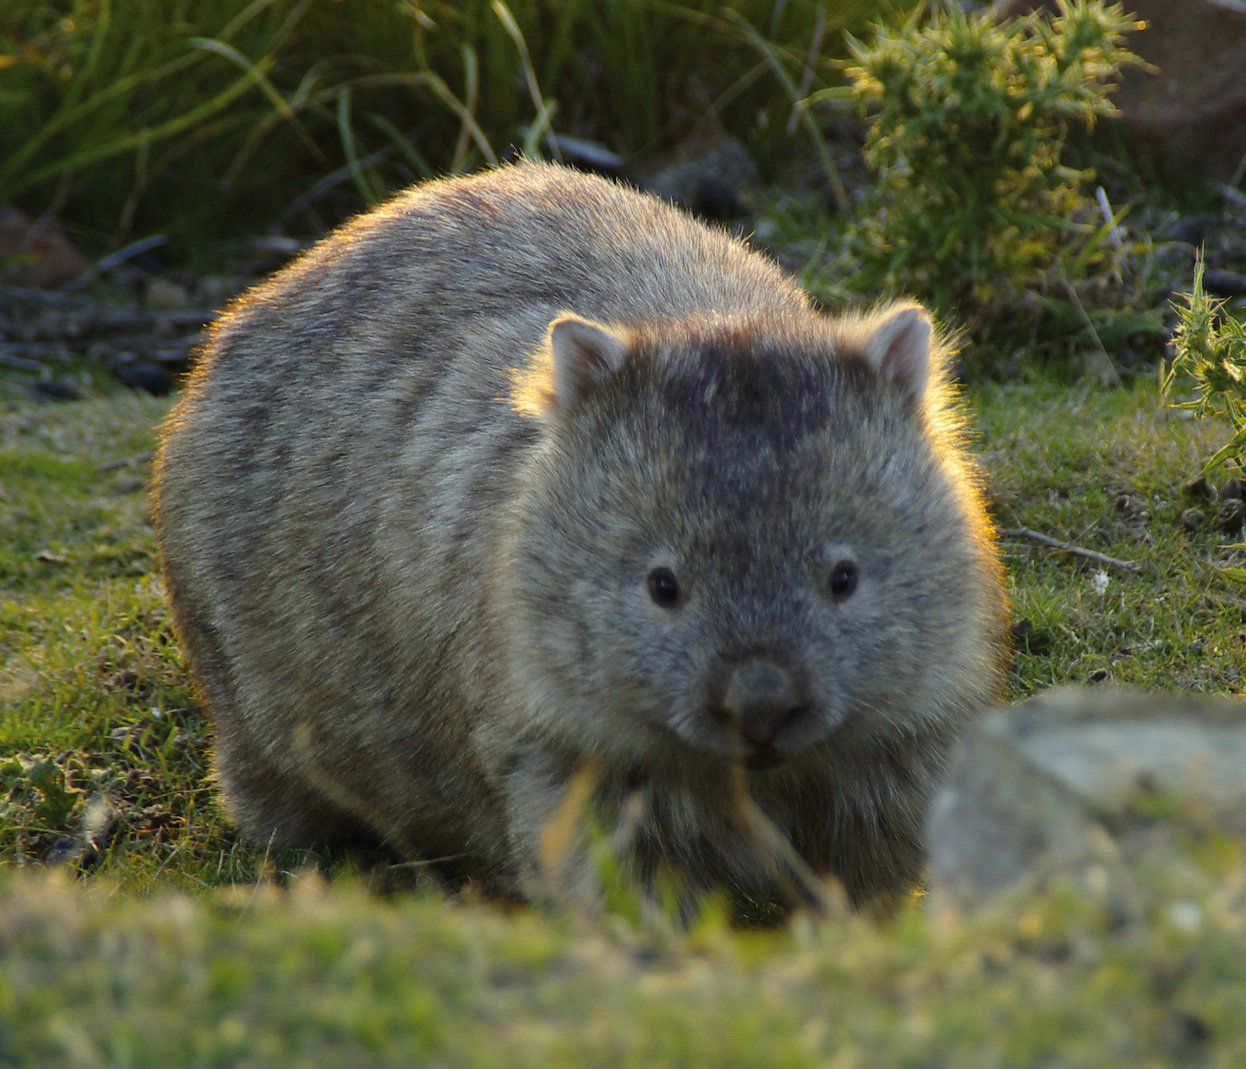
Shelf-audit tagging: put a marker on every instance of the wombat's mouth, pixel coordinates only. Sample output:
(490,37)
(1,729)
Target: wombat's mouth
(734,750)
(763,758)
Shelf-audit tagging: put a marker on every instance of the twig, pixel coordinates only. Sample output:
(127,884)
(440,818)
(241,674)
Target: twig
(115,259)
(1069,547)
(9,360)
(124,462)
(1234,196)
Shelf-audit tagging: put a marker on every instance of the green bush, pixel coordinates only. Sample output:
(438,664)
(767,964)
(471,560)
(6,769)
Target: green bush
(974,207)
(1209,350)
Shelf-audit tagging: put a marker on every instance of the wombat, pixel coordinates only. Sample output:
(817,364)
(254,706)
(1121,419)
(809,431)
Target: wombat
(525,485)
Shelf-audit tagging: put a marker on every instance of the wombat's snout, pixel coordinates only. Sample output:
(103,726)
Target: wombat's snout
(755,701)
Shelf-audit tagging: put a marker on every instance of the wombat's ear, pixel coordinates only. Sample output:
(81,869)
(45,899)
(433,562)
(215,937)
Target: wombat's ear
(585,354)
(898,347)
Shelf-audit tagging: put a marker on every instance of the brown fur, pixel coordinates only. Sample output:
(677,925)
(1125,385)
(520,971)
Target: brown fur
(413,501)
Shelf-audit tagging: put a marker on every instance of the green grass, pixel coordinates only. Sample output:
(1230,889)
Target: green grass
(314,977)
(132,117)
(176,945)
(164,939)
(1104,469)
(91,681)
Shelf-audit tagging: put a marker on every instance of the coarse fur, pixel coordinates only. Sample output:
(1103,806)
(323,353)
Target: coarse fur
(523,474)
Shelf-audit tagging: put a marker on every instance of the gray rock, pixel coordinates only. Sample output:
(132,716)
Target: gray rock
(710,174)
(1191,106)
(1064,779)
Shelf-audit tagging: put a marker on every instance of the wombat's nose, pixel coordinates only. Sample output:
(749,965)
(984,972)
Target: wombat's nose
(760,698)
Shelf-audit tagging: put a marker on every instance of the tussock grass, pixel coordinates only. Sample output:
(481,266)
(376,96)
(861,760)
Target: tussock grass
(1104,469)
(129,117)
(171,942)
(161,938)
(92,685)
(308,977)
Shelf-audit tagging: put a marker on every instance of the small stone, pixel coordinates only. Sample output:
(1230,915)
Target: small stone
(56,390)
(1232,489)
(1200,488)
(62,851)
(711,174)
(714,198)
(152,378)
(1231,516)
(215,291)
(1099,675)
(1132,508)
(1185,916)
(165,295)
(1191,230)
(36,252)
(1193,519)
(1224,283)
(1194,1030)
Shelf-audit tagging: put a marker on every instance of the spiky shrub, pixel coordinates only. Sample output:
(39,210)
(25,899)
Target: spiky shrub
(1209,351)
(974,205)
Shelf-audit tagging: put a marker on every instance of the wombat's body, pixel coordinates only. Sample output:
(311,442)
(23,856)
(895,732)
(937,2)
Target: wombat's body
(524,475)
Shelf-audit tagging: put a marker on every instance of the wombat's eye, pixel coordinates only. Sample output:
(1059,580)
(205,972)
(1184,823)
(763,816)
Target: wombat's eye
(843,579)
(663,588)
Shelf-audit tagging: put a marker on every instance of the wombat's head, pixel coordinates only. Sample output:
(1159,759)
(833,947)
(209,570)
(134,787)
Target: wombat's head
(747,540)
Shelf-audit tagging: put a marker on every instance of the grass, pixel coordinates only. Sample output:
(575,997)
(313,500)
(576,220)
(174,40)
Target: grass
(161,938)
(89,681)
(174,942)
(313,977)
(129,117)
(1105,469)
(92,684)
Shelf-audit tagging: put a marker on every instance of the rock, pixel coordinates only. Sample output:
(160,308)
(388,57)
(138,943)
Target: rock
(1190,108)
(1200,488)
(1193,109)
(1222,283)
(1022,632)
(1192,519)
(710,174)
(216,291)
(1065,778)
(97,827)
(1231,515)
(165,295)
(55,390)
(152,378)
(36,252)
(1190,230)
